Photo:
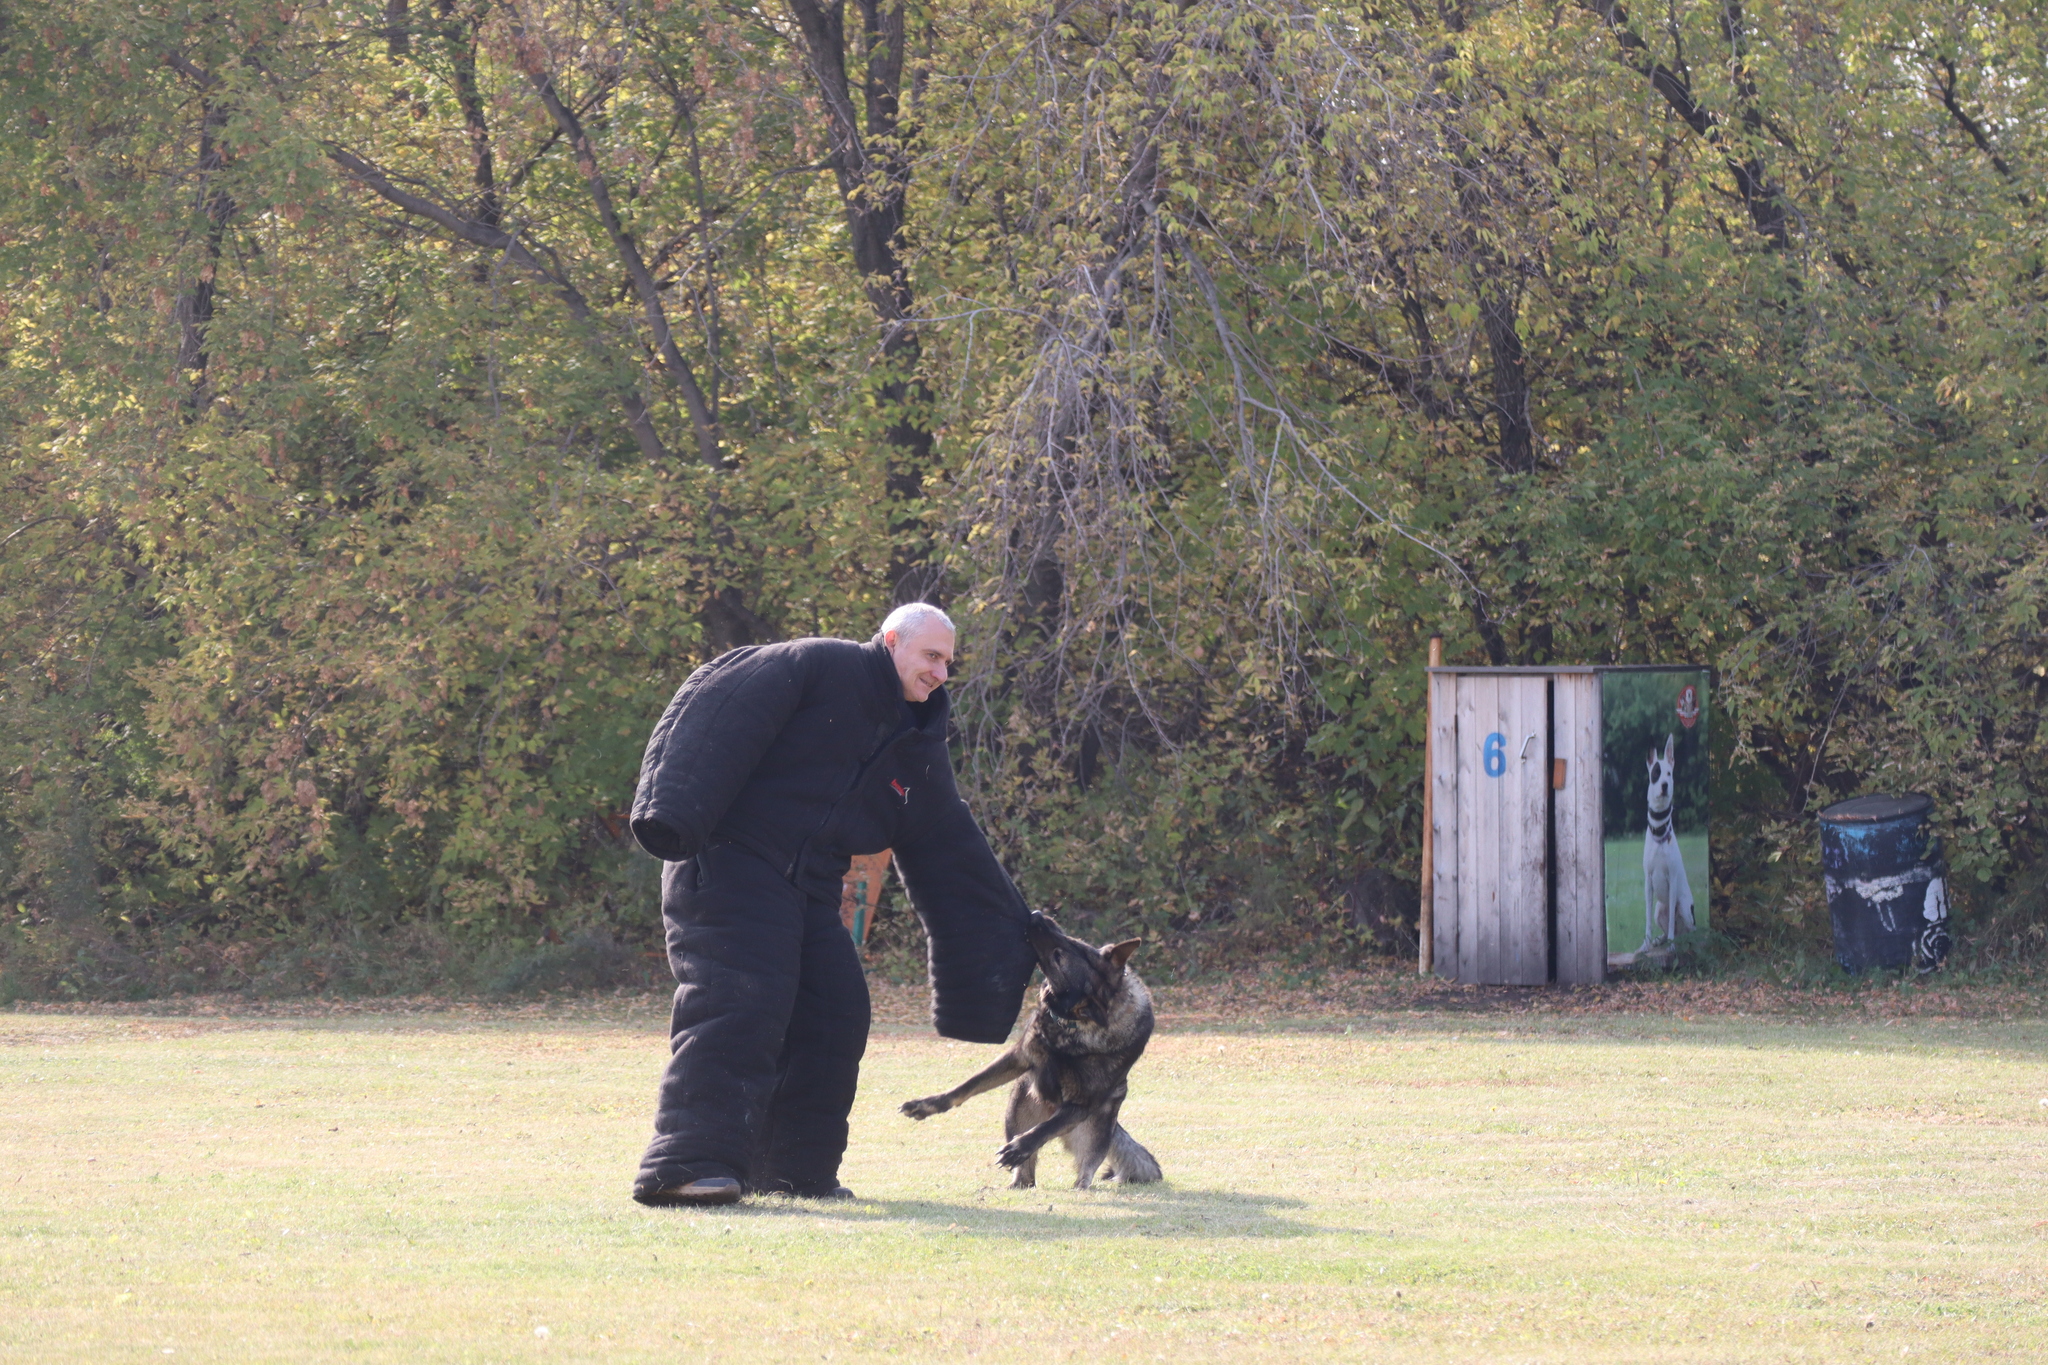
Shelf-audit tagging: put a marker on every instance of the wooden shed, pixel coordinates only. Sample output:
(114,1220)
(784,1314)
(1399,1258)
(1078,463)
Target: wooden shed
(1516,893)
(1516,872)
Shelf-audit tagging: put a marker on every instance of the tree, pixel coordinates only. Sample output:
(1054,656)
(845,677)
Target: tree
(399,400)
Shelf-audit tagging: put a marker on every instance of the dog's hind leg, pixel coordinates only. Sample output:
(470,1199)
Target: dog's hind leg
(1089,1141)
(1656,903)
(1025,1111)
(1681,899)
(1025,1145)
(1130,1163)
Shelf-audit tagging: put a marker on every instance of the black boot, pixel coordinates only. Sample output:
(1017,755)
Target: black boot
(709,1191)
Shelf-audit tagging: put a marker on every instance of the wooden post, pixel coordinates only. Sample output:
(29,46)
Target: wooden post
(1425,922)
(1581,846)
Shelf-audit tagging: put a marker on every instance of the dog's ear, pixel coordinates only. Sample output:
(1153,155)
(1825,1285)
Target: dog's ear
(1117,954)
(1670,748)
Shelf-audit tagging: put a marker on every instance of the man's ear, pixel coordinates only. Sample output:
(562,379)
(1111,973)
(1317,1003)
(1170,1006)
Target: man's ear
(1117,954)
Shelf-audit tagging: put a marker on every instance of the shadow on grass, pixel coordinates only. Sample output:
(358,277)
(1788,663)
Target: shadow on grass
(1154,1210)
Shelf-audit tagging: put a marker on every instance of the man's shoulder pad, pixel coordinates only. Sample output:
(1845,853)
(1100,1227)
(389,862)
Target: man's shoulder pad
(822,645)
(824,651)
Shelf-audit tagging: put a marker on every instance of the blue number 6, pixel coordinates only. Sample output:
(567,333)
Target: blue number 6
(1495,754)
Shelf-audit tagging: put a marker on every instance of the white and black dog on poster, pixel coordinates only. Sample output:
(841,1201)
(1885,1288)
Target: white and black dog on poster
(1666,890)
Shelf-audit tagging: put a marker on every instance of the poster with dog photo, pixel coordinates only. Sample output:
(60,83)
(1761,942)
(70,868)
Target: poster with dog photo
(1653,726)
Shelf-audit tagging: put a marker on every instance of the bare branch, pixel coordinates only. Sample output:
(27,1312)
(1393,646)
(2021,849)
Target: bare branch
(30,526)
(1760,195)
(182,64)
(495,238)
(532,62)
(1944,90)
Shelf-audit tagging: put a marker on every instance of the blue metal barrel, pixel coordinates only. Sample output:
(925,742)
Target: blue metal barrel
(1887,883)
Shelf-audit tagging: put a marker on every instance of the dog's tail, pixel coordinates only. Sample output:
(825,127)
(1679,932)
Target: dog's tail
(1130,1163)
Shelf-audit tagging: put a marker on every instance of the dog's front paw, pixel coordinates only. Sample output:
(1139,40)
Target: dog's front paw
(925,1108)
(1014,1153)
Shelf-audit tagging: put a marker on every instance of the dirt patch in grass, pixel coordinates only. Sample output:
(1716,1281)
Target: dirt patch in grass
(1266,996)
(609,1006)
(1273,997)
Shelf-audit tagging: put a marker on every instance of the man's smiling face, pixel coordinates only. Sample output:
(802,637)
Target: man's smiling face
(922,657)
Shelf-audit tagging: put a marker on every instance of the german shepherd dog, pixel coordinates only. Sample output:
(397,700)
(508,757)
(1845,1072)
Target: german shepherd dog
(1093,1020)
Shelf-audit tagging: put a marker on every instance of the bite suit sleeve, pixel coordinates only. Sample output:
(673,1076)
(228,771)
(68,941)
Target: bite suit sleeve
(974,920)
(708,743)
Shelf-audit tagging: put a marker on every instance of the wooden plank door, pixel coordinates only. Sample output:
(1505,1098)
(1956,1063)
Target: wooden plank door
(1492,829)
(1576,816)
(1443,822)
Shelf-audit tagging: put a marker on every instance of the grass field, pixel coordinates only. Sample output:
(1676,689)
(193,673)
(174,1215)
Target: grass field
(1424,1186)
(1625,888)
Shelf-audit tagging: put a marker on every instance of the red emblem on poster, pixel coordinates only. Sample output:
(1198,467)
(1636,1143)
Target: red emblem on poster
(1688,706)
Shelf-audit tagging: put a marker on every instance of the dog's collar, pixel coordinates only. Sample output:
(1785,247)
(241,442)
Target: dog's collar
(1660,826)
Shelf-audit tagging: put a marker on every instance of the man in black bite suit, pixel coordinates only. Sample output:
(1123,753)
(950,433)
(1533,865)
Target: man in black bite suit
(770,769)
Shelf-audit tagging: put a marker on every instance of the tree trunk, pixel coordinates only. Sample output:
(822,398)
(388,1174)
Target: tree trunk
(1517,444)
(873,172)
(194,307)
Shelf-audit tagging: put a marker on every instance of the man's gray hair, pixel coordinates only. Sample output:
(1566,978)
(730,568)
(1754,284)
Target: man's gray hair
(912,617)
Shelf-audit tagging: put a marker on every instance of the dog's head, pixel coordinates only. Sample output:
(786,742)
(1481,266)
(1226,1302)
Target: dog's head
(1081,980)
(1660,775)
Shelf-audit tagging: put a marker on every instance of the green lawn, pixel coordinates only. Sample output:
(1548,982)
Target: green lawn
(1625,888)
(452,1187)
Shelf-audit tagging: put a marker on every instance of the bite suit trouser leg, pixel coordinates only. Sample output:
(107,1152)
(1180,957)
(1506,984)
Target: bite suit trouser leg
(770,1021)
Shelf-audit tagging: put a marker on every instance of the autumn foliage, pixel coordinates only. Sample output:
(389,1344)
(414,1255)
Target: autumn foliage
(397,399)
